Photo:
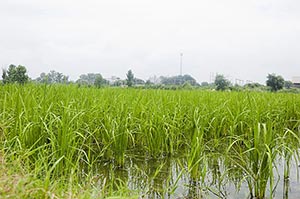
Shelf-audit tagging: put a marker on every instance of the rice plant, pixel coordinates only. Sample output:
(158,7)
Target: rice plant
(65,133)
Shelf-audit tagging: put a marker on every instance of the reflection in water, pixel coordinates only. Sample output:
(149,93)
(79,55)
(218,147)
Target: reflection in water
(286,188)
(169,178)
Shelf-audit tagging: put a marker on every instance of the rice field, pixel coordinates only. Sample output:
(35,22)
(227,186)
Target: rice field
(78,142)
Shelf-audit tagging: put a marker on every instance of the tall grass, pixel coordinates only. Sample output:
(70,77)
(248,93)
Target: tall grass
(65,132)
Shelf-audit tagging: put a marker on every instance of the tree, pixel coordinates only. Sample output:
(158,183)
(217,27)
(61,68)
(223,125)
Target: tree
(43,78)
(15,74)
(204,84)
(4,76)
(252,85)
(88,79)
(179,80)
(52,77)
(130,78)
(221,82)
(187,86)
(21,76)
(100,81)
(57,77)
(288,84)
(138,81)
(275,82)
(148,83)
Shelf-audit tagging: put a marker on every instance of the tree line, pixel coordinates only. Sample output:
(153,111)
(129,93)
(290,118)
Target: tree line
(18,74)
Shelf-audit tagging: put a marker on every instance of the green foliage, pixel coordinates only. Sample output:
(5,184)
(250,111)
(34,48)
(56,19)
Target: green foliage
(148,83)
(68,136)
(288,84)
(53,77)
(204,84)
(275,82)
(92,79)
(138,81)
(4,76)
(253,85)
(100,81)
(129,78)
(178,80)
(187,86)
(119,82)
(221,82)
(15,74)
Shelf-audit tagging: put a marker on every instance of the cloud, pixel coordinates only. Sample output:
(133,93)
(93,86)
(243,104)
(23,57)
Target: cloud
(245,39)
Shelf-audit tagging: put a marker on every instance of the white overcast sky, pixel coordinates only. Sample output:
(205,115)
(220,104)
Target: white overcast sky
(244,39)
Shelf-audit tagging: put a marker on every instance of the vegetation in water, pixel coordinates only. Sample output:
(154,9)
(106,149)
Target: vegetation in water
(70,141)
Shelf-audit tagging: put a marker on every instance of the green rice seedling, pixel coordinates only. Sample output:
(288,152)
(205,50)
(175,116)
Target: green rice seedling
(65,133)
(196,156)
(256,158)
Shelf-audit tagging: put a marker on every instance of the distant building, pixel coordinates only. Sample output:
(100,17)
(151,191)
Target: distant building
(296,81)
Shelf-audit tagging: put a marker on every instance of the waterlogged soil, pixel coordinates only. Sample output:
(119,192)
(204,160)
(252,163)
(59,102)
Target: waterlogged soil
(168,178)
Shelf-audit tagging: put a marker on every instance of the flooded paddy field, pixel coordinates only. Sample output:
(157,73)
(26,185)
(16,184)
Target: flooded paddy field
(131,143)
(170,178)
